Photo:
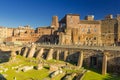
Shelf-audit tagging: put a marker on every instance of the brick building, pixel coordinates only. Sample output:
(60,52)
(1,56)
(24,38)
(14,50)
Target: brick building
(3,34)
(89,31)
(24,34)
(70,30)
(82,32)
(45,34)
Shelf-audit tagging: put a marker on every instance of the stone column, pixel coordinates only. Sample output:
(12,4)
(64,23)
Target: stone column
(50,54)
(65,55)
(39,55)
(32,51)
(25,52)
(57,54)
(80,59)
(104,63)
(19,52)
(13,55)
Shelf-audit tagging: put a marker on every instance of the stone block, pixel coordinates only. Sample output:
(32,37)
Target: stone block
(53,68)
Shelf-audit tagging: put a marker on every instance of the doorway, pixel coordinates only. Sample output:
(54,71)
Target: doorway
(93,61)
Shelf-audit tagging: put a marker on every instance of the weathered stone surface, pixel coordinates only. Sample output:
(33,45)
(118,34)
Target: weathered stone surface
(65,55)
(32,51)
(40,66)
(13,55)
(25,68)
(55,23)
(50,55)
(40,53)
(80,59)
(56,73)
(25,52)
(104,63)
(53,68)
(57,54)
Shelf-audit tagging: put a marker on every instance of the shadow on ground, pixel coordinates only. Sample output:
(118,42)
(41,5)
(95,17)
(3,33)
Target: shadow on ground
(2,77)
(93,69)
(4,56)
(109,76)
(112,77)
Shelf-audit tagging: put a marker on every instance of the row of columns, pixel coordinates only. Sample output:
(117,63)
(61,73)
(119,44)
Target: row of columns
(80,57)
(104,61)
(50,56)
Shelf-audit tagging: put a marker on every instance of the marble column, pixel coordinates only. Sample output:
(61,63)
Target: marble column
(50,54)
(65,55)
(57,54)
(19,52)
(13,55)
(32,51)
(39,55)
(25,52)
(80,59)
(104,63)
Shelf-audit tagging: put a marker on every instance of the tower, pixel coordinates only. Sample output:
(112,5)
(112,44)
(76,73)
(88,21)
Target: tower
(55,23)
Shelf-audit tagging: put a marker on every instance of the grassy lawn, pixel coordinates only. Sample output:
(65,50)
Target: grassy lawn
(90,75)
(44,73)
(33,74)
(58,77)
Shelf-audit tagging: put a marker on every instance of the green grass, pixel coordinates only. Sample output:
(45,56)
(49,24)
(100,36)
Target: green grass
(59,76)
(33,74)
(90,75)
(53,61)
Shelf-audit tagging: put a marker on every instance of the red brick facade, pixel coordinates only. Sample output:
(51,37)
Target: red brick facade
(70,30)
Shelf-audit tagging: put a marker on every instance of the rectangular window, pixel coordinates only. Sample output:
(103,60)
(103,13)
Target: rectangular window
(94,38)
(88,31)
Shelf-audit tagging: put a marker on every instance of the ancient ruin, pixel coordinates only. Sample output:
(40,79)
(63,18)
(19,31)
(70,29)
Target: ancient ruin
(78,43)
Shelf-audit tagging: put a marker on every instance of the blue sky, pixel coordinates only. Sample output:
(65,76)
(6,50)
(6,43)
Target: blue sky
(14,13)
